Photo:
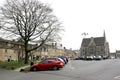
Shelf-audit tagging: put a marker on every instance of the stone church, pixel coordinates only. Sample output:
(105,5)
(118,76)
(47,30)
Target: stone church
(95,46)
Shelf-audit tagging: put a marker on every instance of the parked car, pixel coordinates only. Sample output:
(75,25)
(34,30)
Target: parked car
(105,57)
(65,59)
(47,65)
(77,58)
(98,58)
(89,58)
(82,57)
(56,59)
(61,60)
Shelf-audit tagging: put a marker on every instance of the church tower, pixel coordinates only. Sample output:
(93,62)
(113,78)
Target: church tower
(104,35)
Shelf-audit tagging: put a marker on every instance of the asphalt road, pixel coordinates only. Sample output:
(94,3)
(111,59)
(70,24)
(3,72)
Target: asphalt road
(74,70)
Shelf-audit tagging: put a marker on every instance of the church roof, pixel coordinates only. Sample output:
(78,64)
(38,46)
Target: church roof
(99,41)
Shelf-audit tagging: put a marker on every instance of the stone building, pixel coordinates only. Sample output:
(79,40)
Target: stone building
(8,50)
(95,46)
(117,54)
(14,50)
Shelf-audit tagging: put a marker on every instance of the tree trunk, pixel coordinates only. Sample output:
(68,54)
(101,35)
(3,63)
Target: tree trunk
(26,57)
(26,52)
(19,56)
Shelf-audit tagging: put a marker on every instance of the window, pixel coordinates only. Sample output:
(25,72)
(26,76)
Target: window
(92,50)
(44,62)
(102,49)
(9,44)
(5,50)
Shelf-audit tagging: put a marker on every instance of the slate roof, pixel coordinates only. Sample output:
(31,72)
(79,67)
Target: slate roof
(99,41)
(1,39)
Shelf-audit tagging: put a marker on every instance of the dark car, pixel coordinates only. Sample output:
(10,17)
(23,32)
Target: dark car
(105,57)
(82,57)
(78,58)
(47,65)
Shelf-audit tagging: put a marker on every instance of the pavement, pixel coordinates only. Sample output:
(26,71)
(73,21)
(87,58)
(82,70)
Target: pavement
(23,67)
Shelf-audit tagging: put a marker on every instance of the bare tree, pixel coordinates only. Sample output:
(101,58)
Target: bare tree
(31,20)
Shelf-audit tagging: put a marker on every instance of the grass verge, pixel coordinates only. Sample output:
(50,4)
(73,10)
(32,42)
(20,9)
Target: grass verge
(11,65)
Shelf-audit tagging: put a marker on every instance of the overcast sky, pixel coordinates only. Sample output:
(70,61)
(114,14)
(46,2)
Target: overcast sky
(90,16)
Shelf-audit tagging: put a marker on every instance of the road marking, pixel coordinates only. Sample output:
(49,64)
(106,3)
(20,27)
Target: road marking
(117,77)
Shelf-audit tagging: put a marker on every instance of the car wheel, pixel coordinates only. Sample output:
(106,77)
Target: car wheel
(55,68)
(35,69)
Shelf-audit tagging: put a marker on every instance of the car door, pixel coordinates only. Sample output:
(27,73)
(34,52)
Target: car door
(43,65)
(49,65)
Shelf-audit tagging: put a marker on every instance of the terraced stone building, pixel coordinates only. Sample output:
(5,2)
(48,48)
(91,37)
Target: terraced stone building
(14,50)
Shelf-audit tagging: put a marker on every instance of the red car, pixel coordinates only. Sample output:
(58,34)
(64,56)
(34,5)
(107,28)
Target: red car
(47,65)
